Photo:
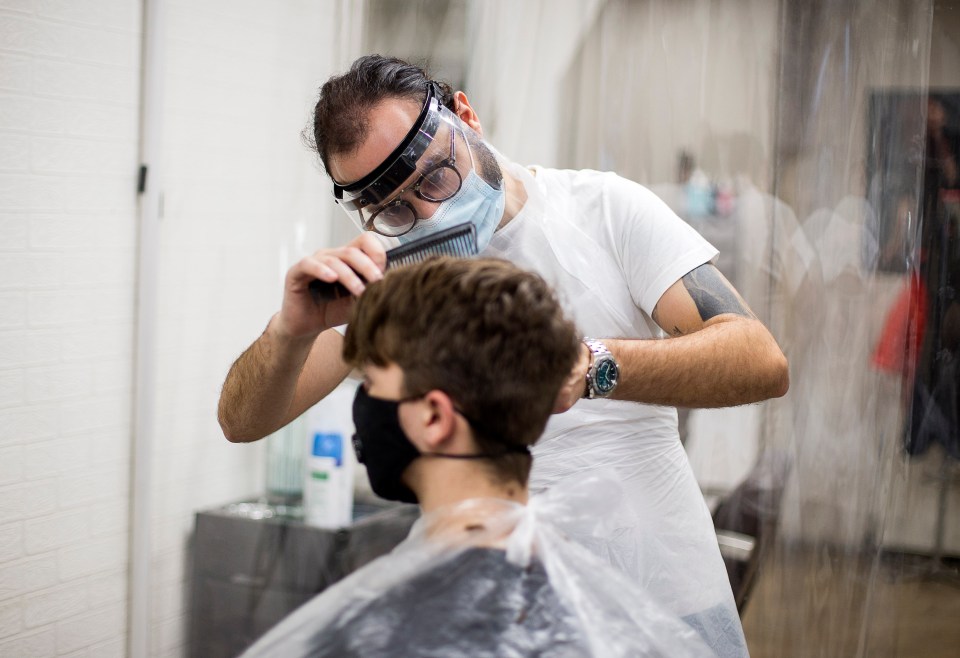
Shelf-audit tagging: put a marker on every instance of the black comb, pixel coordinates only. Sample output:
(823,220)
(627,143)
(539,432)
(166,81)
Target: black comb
(460,240)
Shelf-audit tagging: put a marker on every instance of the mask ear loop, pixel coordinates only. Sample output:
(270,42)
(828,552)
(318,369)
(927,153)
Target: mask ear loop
(458,125)
(509,449)
(463,131)
(473,163)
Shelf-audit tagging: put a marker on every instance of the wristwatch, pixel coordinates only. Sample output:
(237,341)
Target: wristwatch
(603,373)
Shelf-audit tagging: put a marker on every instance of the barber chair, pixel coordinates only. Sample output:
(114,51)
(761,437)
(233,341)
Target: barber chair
(746,521)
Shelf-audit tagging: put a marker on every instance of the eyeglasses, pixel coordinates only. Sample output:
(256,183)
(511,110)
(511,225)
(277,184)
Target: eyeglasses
(439,183)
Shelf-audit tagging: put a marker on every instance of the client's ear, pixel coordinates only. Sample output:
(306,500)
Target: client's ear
(439,421)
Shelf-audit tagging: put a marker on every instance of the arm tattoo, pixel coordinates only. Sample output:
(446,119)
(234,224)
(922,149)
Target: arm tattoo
(712,294)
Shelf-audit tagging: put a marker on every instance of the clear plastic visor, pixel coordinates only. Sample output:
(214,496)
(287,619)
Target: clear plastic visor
(422,173)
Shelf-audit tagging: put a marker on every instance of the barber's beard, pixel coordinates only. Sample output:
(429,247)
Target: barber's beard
(485,161)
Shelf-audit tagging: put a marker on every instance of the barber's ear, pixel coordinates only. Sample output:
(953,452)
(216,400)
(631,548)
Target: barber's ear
(466,113)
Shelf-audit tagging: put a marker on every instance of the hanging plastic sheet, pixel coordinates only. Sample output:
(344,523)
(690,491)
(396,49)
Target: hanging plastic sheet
(810,143)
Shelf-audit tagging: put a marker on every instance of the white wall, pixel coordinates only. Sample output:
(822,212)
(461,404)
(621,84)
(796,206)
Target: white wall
(69,83)
(517,54)
(243,199)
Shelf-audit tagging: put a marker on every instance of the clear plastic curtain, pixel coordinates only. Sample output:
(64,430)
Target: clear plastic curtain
(797,137)
(794,134)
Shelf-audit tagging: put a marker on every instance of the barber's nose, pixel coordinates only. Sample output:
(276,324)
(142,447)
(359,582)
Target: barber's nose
(422,208)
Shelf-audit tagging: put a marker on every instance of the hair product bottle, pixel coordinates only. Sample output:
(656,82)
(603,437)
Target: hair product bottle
(328,485)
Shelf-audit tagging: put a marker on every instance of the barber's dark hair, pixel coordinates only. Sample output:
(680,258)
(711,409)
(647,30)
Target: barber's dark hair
(490,335)
(340,122)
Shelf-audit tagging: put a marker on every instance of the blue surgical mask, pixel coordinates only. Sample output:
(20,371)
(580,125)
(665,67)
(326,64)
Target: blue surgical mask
(477,202)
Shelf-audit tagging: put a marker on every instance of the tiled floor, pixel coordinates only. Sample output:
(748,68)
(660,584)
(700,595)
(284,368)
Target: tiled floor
(834,604)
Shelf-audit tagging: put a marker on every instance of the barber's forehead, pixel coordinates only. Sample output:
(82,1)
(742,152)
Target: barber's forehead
(388,122)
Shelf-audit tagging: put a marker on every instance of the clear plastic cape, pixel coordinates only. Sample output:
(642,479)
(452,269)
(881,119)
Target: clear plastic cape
(488,577)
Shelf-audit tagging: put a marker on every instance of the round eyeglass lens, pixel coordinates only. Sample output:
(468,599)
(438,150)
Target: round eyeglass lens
(440,184)
(394,220)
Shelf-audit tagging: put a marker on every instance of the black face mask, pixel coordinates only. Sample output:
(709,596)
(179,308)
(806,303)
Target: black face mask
(383,447)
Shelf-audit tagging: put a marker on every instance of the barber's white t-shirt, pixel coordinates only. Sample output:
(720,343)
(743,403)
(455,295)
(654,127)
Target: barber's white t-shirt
(611,248)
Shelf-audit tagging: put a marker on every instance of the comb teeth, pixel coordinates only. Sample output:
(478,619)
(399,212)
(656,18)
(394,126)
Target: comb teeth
(459,241)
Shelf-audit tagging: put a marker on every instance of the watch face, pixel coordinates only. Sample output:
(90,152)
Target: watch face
(606,377)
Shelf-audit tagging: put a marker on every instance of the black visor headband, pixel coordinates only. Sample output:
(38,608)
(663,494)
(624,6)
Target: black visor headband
(389,175)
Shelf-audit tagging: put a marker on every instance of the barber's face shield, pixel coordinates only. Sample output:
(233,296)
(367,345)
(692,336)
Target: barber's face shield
(427,168)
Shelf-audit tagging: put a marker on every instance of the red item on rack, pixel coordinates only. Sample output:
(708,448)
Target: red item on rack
(898,348)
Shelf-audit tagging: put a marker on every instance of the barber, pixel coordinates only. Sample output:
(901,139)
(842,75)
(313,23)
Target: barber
(407,158)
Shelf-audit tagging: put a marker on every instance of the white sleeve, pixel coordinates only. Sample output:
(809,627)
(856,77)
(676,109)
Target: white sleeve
(655,247)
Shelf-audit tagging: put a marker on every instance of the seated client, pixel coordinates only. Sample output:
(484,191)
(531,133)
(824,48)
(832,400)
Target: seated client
(462,361)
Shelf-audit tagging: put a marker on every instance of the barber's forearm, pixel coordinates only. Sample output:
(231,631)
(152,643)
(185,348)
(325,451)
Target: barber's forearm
(260,388)
(724,364)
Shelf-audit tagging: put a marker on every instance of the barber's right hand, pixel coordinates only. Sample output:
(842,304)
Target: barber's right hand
(362,260)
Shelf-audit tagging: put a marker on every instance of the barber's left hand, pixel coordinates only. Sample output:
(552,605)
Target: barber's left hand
(575,385)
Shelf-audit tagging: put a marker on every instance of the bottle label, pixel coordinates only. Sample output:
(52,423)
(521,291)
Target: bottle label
(322,493)
(328,445)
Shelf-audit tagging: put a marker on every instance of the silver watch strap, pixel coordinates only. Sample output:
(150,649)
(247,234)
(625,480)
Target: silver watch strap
(596,346)
(597,349)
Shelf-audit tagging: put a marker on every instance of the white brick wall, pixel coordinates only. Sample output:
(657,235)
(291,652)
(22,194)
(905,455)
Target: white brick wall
(69,78)
(243,200)
(11,542)
(30,573)
(91,628)
(37,644)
